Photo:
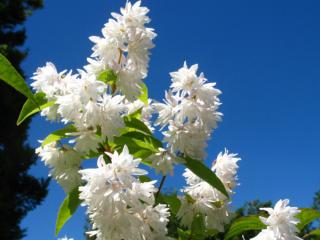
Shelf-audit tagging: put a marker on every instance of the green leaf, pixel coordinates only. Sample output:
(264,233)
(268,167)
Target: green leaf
(244,224)
(30,107)
(136,124)
(136,114)
(67,209)
(315,232)
(144,178)
(133,144)
(144,95)
(306,216)
(108,76)
(145,138)
(138,148)
(11,76)
(205,173)
(59,134)
(139,144)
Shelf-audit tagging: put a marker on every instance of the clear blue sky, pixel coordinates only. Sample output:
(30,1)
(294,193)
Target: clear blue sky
(264,56)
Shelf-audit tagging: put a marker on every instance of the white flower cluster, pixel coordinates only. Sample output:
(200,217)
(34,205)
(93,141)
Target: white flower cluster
(91,105)
(64,163)
(190,112)
(281,223)
(202,198)
(124,48)
(119,205)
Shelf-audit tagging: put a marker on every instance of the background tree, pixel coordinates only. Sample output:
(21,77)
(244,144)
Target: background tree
(20,192)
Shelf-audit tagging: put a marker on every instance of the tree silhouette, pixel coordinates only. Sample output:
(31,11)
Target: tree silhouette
(20,192)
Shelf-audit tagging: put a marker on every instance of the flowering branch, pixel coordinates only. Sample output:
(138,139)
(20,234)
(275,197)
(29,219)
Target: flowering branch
(108,117)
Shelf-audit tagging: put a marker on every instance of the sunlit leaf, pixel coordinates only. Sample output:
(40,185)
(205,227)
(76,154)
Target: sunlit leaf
(30,107)
(244,224)
(67,209)
(11,76)
(306,216)
(59,134)
(107,76)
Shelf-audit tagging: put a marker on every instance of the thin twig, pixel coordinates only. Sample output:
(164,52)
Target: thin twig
(161,185)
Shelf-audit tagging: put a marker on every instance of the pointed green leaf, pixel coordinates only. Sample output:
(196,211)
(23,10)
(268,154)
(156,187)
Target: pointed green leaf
(244,224)
(67,209)
(107,76)
(29,107)
(306,216)
(205,173)
(315,233)
(11,76)
(144,94)
(144,178)
(59,134)
(136,124)
(143,137)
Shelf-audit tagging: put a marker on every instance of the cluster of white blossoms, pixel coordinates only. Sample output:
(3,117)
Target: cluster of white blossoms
(124,48)
(64,163)
(119,205)
(97,104)
(202,198)
(281,223)
(190,114)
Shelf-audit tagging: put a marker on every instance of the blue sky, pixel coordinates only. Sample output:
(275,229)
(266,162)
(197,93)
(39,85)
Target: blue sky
(264,56)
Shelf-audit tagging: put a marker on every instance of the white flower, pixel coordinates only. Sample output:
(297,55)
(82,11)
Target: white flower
(167,109)
(111,113)
(128,83)
(86,140)
(185,79)
(46,79)
(65,238)
(226,168)
(191,178)
(80,103)
(64,163)
(53,84)
(189,139)
(282,220)
(163,161)
(133,15)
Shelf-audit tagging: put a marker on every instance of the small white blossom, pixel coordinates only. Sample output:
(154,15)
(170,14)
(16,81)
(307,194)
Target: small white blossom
(281,223)
(65,238)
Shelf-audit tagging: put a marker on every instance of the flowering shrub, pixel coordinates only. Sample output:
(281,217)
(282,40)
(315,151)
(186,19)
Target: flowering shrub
(108,116)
